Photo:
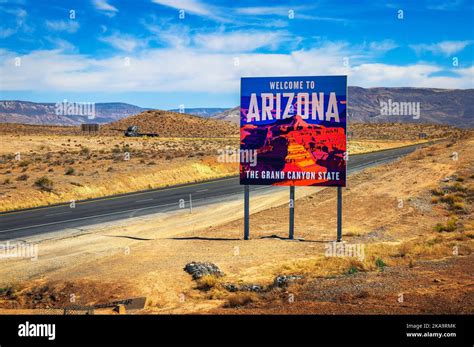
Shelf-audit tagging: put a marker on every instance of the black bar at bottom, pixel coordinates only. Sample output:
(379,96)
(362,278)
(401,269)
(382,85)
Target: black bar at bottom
(381,330)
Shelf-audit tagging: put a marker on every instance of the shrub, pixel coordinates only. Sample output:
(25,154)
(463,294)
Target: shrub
(459,206)
(22,177)
(437,192)
(44,183)
(207,282)
(69,171)
(450,226)
(404,249)
(85,150)
(450,199)
(9,292)
(380,263)
(352,270)
(239,299)
(24,163)
(457,187)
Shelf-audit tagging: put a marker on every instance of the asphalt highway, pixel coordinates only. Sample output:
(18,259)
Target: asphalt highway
(30,222)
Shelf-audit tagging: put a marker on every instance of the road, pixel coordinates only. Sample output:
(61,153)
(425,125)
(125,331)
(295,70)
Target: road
(41,220)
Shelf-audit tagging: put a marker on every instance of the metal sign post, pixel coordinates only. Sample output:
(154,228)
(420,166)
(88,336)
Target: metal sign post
(339,214)
(246,212)
(292,212)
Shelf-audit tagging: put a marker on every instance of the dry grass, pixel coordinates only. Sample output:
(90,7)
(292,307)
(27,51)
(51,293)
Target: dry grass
(74,167)
(58,169)
(208,282)
(240,299)
(366,146)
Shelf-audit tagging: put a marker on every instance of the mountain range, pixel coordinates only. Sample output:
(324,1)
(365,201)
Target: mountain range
(25,112)
(436,106)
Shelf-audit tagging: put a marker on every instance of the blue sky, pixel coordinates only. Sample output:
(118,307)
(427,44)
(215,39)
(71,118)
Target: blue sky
(167,53)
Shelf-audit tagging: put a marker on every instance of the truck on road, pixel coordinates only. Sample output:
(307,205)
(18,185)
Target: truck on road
(132,131)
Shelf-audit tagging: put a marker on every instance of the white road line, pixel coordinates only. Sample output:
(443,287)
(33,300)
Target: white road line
(88,217)
(143,200)
(101,215)
(55,214)
(202,190)
(94,216)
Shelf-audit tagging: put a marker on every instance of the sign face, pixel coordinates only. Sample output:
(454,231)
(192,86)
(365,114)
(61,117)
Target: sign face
(293,131)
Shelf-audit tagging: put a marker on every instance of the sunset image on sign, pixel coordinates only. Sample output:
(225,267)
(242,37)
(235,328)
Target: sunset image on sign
(293,131)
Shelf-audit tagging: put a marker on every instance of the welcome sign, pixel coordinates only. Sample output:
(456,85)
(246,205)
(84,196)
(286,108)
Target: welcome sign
(295,128)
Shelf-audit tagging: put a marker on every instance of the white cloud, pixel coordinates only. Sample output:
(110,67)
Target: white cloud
(240,41)
(191,6)
(196,70)
(60,25)
(166,32)
(19,15)
(265,10)
(104,6)
(124,42)
(6,32)
(382,46)
(61,45)
(299,12)
(441,48)
(177,34)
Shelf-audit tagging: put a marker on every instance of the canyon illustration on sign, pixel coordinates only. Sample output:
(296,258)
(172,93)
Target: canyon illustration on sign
(293,131)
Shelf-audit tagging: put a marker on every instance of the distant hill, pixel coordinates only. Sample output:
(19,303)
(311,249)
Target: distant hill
(202,112)
(438,106)
(25,112)
(453,107)
(229,115)
(173,124)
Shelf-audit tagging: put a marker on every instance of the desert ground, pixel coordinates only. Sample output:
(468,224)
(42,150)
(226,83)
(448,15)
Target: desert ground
(410,220)
(44,165)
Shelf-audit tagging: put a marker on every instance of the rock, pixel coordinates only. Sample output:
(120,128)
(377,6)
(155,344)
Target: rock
(257,288)
(252,288)
(284,280)
(198,270)
(231,287)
